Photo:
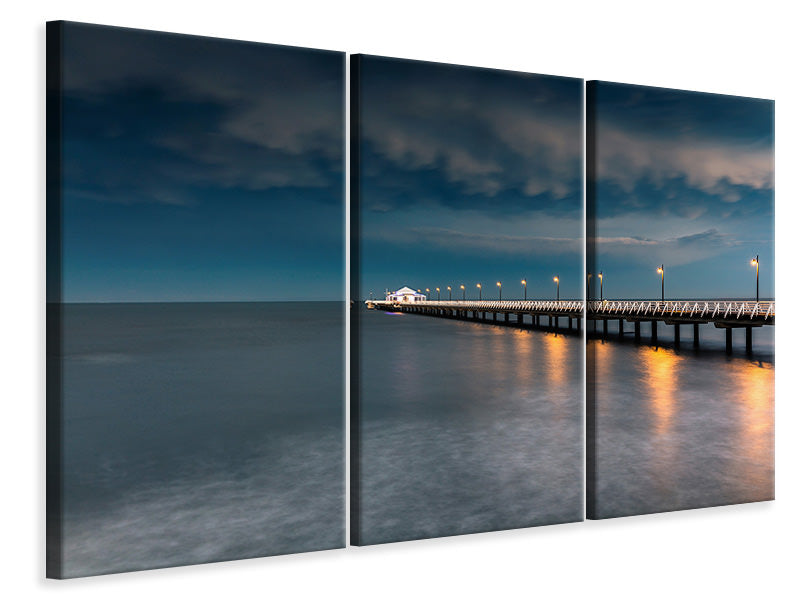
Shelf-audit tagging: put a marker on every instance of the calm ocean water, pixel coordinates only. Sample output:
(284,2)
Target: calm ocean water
(467,427)
(201,432)
(683,429)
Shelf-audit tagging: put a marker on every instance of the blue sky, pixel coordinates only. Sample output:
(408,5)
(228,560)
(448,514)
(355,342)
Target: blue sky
(685,179)
(198,169)
(470,176)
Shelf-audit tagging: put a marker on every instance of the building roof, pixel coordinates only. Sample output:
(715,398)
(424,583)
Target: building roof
(406,290)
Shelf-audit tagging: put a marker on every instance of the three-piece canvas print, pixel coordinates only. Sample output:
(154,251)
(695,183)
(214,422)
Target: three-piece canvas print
(518,357)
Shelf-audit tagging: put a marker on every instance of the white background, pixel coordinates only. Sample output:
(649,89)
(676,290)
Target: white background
(746,48)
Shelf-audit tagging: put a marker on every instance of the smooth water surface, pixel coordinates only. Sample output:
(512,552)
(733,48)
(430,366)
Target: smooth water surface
(201,432)
(466,427)
(683,428)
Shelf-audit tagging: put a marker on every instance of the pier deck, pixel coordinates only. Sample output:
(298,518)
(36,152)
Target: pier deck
(724,314)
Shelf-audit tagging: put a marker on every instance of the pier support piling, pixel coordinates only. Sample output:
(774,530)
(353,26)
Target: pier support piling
(748,339)
(677,335)
(637,331)
(654,332)
(508,317)
(621,329)
(605,327)
(696,328)
(728,340)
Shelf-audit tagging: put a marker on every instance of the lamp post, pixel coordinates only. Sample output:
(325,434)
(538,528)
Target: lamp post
(427,293)
(588,281)
(480,297)
(525,288)
(600,275)
(463,292)
(661,270)
(754,262)
(438,295)
(558,285)
(500,288)
(450,292)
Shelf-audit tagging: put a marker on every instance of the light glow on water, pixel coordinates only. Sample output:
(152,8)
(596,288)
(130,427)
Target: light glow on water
(465,428)
(681,429)
(661,369)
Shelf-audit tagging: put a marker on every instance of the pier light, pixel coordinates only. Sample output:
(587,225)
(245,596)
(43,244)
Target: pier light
(558,286)
(500,288)
(480,294)
(438,295)
(463,292)
(754,262)
(450,292)
(661,271)
(525,288)
(600,275)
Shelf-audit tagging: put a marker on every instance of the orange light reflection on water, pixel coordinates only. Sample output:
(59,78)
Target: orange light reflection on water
(523,353)
(603,355)
(661,368)
(755,383)
(561,373)
(661,384)
(555,352)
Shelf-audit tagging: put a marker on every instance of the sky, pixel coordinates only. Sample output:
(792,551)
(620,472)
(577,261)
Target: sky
(684,179)
(198,169)
(469,176)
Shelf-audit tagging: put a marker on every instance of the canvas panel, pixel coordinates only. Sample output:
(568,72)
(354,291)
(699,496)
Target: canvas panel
(466,353)
(195,300)
(680,271)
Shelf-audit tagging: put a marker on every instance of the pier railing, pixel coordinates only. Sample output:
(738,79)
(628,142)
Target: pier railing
(711,310)
(729,311)
(565,306)
(725,314)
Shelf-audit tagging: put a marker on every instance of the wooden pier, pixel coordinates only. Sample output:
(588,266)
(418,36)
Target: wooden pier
(724,314)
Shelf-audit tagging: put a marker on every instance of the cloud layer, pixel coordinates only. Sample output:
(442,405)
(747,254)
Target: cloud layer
(711,166)
(469,138)
(212,112)
(679,250)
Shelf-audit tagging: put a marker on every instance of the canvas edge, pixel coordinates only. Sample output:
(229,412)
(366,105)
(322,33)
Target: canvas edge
(355,296)
(590,149)
(53,387)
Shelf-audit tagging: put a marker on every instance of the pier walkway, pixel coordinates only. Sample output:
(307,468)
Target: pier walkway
(724,314)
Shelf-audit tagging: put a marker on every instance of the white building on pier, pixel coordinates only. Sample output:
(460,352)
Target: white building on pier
(405,294)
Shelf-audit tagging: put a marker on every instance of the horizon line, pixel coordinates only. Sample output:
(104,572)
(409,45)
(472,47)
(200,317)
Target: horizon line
(183,301)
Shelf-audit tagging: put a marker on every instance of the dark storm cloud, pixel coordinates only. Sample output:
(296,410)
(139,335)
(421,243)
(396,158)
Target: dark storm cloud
(214,112)
(683,153)
(469,138)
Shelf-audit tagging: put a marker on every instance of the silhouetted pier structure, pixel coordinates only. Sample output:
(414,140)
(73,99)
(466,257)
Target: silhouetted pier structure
(724,314)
